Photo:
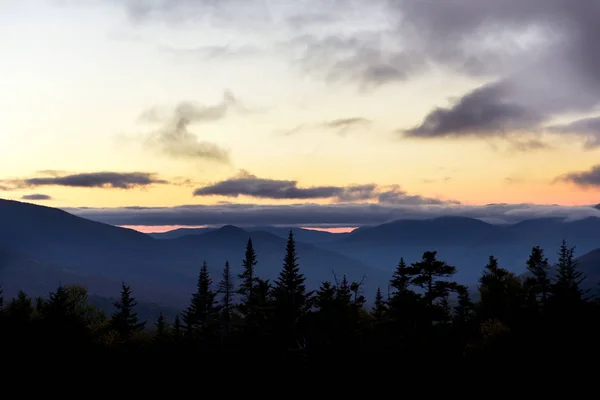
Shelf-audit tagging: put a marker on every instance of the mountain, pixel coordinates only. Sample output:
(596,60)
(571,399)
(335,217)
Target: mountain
(161,271)
(175,233)
(466,243)
(303,235)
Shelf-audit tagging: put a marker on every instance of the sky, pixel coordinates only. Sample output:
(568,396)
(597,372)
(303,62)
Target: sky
(320,113)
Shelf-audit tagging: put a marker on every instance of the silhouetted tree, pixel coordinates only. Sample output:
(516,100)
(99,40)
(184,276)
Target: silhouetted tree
(226,289)
(162,331)
(177,330)
(428,272)
(124,319)
(20,308)
(379,309)
(500,293)
(202,310)
(538,284)
(566,290)
(247,281)
(401,279)
(289,293)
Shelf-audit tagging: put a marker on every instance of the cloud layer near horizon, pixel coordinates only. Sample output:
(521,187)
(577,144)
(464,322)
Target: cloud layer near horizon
(315,215)
(113,180)
(246,184)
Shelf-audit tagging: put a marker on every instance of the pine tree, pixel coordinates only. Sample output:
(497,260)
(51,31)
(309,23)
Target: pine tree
(500,293)
(402,277)
(177,330)
(463,311)
(226,289)
(247,277)
(539,282)
(124,319)
(379,310)
(567,291)
(202,309)
(162,332)
(60,308)
(289,293)
(428,272)
(20,308)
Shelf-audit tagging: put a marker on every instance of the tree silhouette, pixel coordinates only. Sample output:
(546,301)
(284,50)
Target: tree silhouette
(500,293)
(566,290)
(379,309)
(202,309)
(226,289)
(124,319)
(177,330)
(162,331)
(539,283)
(428,273)
(289,292)
(248,280)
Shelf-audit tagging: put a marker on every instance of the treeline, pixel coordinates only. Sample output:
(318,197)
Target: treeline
(422,315)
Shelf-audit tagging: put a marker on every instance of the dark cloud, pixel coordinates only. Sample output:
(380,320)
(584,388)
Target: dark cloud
(174,139)
(36,196)
(589,178)
(487,111)
(321,215)
(246,184)
(119,180)
(587,128)
(559,77)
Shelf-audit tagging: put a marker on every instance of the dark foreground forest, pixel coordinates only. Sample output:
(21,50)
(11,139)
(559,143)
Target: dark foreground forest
(422,315)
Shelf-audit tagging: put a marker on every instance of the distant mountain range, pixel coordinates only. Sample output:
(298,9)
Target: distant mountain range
(41,247)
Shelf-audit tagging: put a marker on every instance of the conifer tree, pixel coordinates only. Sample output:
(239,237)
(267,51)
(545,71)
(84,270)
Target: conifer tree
(202,308)
(500,293)
(177,330)
(226,289)
(566,290)
(402,277)
(20,308)
(379,310)
(539,283)
(247,282)
(60,308)
(463,311)
(428,273)
(162,331)
(124,319)
(290,297)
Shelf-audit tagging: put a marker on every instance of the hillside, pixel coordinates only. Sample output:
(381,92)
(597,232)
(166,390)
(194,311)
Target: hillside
(164,271)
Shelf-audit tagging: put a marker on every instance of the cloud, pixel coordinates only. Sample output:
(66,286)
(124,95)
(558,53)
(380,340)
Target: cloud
(560,76)
(486,111)
(246,184)
(589,178)
(36,197)
(174,139)
(214,52)
(587,128)
(342,125)
(118,180)
(321,215)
